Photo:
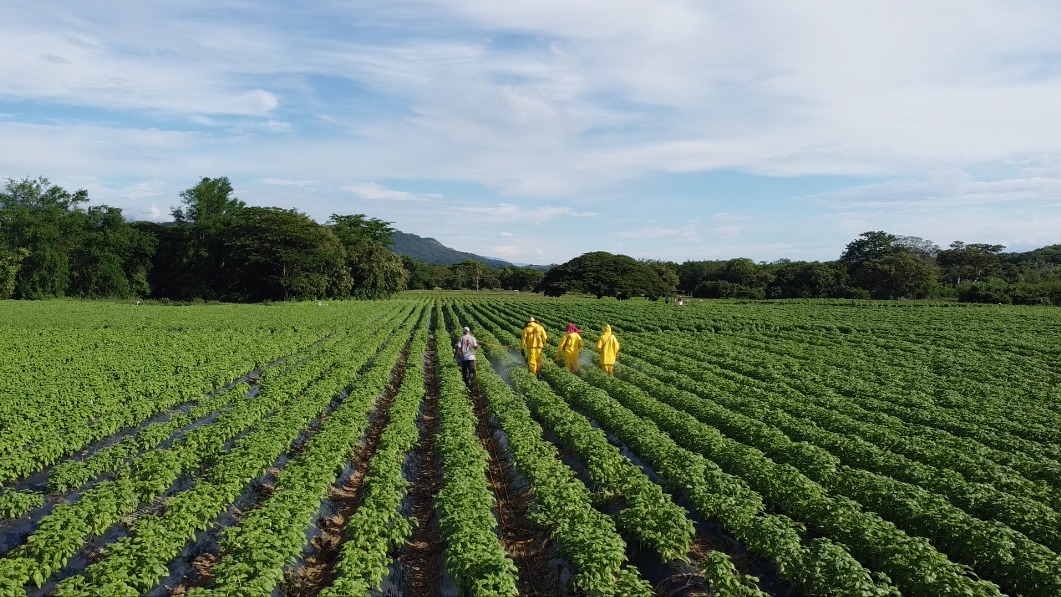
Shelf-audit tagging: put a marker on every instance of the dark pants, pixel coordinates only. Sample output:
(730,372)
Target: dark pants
(468,371)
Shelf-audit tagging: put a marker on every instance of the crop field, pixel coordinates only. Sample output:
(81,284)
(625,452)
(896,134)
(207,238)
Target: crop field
(745,449)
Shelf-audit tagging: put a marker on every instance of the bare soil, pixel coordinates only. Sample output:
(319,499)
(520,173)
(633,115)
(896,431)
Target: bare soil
(316,570)
(422,555)
(527,546)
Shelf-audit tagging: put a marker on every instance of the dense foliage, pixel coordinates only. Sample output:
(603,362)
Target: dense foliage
(218,248)
(880,265)
(51,245)
(838,447)
(603,274)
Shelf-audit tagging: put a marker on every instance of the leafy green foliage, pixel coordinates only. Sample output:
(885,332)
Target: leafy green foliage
(51,246)
(856,457)
(603,274)
(15,503)
(278,254)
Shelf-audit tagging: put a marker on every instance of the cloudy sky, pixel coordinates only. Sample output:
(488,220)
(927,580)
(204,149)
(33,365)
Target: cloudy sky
(537,130)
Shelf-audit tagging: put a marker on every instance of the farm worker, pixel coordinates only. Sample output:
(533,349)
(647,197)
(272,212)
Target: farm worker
(570,347)
(608,347)
(464,350)
(533,340)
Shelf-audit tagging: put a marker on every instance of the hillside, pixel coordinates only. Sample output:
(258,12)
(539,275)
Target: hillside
(430,250)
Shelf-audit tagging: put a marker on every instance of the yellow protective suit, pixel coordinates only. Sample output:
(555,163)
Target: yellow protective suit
(570,347)
(533,340)
(608,347)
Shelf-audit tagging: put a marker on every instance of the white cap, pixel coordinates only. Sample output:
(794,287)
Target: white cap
(467,329)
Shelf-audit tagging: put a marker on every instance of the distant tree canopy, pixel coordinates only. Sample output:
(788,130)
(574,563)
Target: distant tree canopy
(890,267)
(374,271)
(220,249)
(603,274)
(969,263)
(52,244)
(280,254)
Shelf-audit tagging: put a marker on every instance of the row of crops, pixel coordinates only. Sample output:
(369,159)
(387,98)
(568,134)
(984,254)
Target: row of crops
(819,448)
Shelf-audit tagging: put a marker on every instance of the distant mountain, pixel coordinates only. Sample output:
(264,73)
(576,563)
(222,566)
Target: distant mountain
(1047,254)
(430,250)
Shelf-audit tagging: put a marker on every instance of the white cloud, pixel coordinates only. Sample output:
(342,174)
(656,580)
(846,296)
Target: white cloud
(287,182)
(954,188)
(118,64)
(148,189)
(687,232)
(535,215)
(374,192)
(550,110)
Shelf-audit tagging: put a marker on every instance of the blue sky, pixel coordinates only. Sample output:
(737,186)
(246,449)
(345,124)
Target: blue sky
(535,131)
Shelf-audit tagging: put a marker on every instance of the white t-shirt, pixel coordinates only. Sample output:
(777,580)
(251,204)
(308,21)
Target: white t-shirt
(466,347)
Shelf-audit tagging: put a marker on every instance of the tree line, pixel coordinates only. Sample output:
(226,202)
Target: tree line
(52,244)
(876,265)
(217,248)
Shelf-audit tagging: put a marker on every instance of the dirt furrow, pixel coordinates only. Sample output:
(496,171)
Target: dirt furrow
(315,572)
(422,556)
(527,546)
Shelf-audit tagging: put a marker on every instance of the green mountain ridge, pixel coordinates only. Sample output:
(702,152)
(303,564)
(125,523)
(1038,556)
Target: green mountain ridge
(431,251)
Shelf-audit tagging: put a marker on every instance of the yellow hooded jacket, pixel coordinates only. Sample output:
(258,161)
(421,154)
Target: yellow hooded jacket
(533,336)
(607,346)
(570,345)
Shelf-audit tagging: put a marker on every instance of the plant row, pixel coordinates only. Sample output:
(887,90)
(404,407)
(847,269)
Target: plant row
(563,506)
(787,476)
(698,484)
(379,528)
(256,552)
(739,411)
(820,566)
(137,562)
(61,533)
(465,503)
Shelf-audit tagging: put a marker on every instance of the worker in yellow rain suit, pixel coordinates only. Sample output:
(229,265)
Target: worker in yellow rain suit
(533,340)
(570,347)
(608,347)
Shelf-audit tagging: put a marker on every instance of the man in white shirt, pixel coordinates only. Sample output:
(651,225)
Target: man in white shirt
(465,353)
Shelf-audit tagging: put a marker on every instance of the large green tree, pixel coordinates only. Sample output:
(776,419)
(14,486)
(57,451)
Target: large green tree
(281,254)
(208,213)
(473,275)
(521,278)
(360,229)
(666,270)
(923,248)
(888,266)
(745,272)
(375,270)
(54,246)
(1035,267)
(897,275)
(694,273)
(970,263)
(40,217)
(869,245)
(377,273)
(801,279)
(111,257)
(604,274)
(208,203)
